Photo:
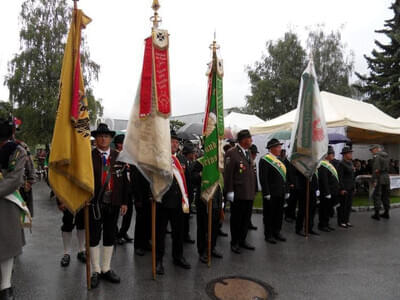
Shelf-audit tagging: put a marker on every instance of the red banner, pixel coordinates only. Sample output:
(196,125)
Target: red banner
(146,82)
(161,79)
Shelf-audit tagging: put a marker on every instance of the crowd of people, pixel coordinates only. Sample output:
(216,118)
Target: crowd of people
(120,187)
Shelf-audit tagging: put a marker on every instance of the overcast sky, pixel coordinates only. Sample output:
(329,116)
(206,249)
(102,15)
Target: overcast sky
(115,38)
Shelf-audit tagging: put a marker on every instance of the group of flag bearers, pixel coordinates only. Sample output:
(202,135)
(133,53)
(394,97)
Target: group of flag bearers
(95,186)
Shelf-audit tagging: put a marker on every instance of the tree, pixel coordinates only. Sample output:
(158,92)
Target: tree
(176,124)
(333,65)
(382,85)
(34,73)
(275,79)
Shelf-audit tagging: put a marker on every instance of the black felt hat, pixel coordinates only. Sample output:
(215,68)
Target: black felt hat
(243,134)
(174,135)
(119,139)
(331,150)
(273,143)
(253,149)
(346,149)
(188,147)
(103,129)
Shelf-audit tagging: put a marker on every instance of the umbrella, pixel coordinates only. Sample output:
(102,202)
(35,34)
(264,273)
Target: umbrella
(334,138)
(190,131)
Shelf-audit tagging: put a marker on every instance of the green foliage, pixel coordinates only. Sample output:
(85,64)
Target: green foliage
(275,79)
(382,85)
(176,124)
(33,73)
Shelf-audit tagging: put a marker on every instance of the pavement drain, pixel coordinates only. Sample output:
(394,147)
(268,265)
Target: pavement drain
(239,288)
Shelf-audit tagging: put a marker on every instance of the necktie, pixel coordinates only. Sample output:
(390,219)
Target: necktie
(103,158)
(247,156)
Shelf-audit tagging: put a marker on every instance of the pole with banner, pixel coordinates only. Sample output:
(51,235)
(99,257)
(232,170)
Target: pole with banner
(147,143)
(213,132)
(309,134)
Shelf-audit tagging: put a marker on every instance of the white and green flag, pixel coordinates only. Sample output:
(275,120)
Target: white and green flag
(309,134)
(213,130)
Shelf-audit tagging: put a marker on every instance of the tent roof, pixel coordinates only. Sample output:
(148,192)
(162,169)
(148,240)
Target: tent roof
(365,123)
(236,121)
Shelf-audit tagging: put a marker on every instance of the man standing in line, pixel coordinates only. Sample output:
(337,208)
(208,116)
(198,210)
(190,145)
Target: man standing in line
(253,153)
(109,201)
(273,174)
(380,181)
(239,185)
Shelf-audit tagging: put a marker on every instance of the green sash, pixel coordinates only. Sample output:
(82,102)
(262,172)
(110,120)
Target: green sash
(277,164)
(330,168)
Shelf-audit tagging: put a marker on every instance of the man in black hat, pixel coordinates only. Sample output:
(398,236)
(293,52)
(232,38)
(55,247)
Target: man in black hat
(273,180)
(110,200)
(290,209)
(380,181)
(171,210)
(329,190)
(239,186)
(253,152)
(187,158)
(123,236)
(12,161)
(346,187)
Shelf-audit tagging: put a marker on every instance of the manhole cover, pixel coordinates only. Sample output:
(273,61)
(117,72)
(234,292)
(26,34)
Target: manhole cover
(239,288)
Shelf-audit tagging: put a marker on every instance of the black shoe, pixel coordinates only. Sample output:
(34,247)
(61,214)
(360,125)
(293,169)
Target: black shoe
(252,227)
(279,237)
(289,220)
(331,228)
(127,238)
(7,294)
(110,276)
(139,252)
(300,232)
(120,241)
(82,257)
(324,229)
(349,225)
(95,280)
(313,232)
(235,249)
(215,253)
(343,225)
(181,262)
(188,240)
(270,240)
(376,217)
(247,246)
(221,233)
(385,215)
(160,268)
(204,258)
(65,260)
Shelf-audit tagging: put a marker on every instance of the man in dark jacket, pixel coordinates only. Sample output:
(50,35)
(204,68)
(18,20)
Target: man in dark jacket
(380,181)
(272,172)
(109,201)
(329,189)
(346,187)
(239,186)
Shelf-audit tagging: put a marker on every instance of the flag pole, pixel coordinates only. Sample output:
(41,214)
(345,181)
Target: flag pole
(307,206)
(209,230)
(86,210)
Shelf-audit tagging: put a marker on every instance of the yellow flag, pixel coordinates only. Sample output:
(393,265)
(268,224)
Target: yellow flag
(71,172)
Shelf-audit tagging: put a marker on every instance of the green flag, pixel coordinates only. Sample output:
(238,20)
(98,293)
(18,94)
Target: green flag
(213,130)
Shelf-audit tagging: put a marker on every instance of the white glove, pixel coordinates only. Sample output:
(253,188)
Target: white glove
(328,196)
(317,193)
(267,197)
(230,196)
(318,202)
(287,195)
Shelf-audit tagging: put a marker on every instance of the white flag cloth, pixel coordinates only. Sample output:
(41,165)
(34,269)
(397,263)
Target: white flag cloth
(309,134)
(147,145)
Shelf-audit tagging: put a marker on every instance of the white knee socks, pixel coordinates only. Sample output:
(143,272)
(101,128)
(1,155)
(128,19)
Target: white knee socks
(95,258)
(81,239)
(6,267)
(106,261)
(67,238)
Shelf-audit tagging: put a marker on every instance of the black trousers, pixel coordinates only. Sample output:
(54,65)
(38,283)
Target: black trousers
(28,198)
(344,210)
(202,226)
(126,220)
(273,216)
(106,224)
(69,222)
(240,219)
(324,212)
(176,217)
(290,211)
(142,225)
(301,214)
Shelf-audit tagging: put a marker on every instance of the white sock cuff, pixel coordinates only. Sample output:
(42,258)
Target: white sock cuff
(106,261)
(95,258)
(81,239)
(67,239)
(6,267)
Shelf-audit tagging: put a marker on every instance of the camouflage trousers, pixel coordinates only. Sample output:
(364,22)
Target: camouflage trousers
(381,196)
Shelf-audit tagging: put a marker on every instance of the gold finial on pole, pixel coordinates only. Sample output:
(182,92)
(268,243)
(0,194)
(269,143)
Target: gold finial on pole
(214,46)
(156,19)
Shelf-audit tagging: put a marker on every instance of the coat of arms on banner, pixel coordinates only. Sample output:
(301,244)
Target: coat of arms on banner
(160,38)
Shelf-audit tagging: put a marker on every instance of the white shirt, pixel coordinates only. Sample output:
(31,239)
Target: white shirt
(107,152)
(244,151)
